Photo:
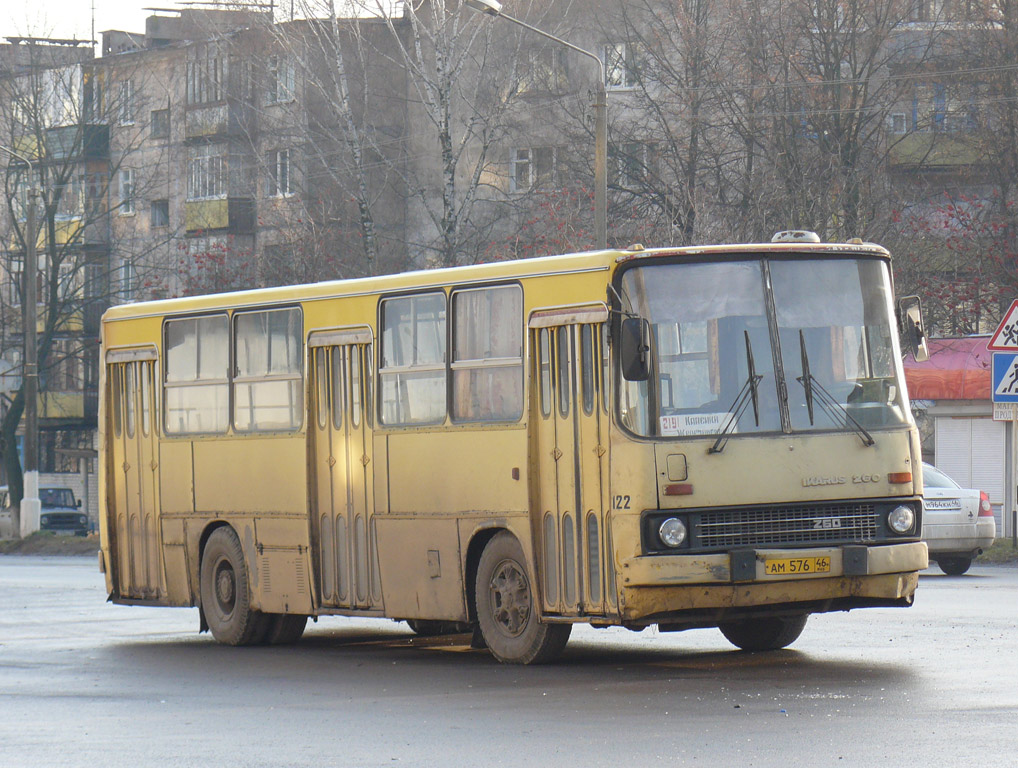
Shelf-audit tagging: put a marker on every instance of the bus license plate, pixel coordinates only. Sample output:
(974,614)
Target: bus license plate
(796,565)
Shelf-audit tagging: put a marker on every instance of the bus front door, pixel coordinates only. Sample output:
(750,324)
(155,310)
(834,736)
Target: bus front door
(572,464)
(135,445)
(347,555)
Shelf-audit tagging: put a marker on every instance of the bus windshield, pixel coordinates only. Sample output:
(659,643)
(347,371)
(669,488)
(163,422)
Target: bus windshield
(764,345)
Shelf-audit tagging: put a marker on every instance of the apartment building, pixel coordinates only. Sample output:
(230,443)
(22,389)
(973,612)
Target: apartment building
(219,149)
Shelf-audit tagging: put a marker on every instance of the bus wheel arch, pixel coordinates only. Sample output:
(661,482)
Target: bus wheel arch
(225,589)
(508,606)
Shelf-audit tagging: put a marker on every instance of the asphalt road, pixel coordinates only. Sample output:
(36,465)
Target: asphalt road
(86,683)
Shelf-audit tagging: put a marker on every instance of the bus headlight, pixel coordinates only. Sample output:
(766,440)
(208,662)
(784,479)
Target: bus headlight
(901,519)
(672,532)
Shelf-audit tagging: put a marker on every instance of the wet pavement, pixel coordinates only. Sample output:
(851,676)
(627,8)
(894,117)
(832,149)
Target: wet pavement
(85,683)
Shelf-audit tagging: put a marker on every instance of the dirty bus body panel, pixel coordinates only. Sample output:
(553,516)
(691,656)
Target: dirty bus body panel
(686,437)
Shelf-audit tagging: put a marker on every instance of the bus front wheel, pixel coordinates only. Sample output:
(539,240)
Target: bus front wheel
(225,593)
(765,633)
(507,609)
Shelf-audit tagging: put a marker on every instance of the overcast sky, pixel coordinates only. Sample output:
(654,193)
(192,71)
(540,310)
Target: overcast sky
(73,18)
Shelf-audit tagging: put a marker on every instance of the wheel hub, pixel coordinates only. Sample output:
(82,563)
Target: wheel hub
(225,588)
(510,598)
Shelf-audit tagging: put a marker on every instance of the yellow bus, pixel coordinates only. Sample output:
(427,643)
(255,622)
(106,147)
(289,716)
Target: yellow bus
(685,437)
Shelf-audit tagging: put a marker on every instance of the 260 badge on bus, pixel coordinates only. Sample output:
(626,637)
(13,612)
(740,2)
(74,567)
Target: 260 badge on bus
(789,566)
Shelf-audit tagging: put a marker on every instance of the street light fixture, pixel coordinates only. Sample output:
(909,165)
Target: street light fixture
(30,504)
(494,8)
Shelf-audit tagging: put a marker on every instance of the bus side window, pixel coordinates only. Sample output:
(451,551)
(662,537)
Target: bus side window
(268,386)
(355,386)
(563,341)
(196,387)
(338,387)
(605,371)
(587,368)
(544,365)
(117,375)
(322,387)
(130,385)
(146,397)
(487,359)
(412,369)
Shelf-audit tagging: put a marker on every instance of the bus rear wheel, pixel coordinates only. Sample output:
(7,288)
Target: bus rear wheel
(225,592)
(506,607)
(764,634)
(285,628)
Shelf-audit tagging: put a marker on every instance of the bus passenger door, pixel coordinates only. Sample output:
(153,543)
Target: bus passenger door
(343,527)
(571,468)
(135,448)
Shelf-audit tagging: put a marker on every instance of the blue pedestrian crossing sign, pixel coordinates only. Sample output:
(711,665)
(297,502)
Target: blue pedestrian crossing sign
(1005,377)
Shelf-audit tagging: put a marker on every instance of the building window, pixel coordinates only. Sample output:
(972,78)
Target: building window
(487,358)
(159,213)
(125,281)
(206,78)
(207,172)
(278,182)
(126,106)
(533,168)
(159,124)
(621,65)
(631,164)
(899,122)
(126,204)
(544,71)
(65,372)
(281,80)
(16,286)
(268,382)
(413,359)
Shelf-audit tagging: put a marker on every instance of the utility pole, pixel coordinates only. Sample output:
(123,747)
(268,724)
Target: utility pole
(494,8)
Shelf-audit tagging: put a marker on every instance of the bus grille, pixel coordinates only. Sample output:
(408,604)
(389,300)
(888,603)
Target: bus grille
(786,525)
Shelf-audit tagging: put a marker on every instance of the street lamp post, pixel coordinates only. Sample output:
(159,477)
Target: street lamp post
(494,8)
(30,504)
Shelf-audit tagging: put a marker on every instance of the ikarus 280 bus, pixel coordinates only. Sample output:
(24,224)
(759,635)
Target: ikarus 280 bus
(682,437)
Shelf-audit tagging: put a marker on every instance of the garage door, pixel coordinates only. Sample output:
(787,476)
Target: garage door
(972,452)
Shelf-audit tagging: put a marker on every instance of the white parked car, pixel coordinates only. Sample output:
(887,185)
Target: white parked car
(957,522)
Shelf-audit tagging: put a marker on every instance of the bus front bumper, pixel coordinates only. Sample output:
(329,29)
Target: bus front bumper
(660,588)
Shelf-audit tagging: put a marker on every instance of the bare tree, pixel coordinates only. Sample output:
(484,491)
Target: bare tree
(455,120)
(59,117)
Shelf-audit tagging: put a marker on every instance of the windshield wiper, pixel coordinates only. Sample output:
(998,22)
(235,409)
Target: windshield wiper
(828,403)
(750,393)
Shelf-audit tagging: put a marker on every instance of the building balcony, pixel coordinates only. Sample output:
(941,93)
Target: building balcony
(235,215)
(935,151)
(203,123)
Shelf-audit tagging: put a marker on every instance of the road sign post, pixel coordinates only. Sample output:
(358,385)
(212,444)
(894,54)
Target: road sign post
(1004,394)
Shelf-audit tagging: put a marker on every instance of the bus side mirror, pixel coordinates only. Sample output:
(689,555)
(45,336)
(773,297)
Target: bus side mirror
(910,325)
(633,349)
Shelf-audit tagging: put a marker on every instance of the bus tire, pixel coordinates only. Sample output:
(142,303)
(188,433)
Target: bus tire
(764,634)
(506,607)
(225,592)
(285,628)
(955,565)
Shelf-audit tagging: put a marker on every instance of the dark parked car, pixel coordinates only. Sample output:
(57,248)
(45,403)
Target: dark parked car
(61,512)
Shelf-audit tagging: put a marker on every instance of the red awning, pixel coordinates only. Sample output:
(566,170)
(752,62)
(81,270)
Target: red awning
(958,369)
